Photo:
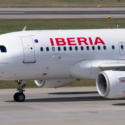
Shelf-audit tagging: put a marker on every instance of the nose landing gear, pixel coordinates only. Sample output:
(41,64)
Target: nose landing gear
(19,96)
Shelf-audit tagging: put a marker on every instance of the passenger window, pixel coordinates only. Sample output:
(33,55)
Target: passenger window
(59,49)
(64,48)
(76,48)
(70,48)
(93,47)
(113,47)
(104,47)
(122,47)
(41,48)
(47,48)
(87,47)
(99,47)
(53,48)
(82,48)
(3,49)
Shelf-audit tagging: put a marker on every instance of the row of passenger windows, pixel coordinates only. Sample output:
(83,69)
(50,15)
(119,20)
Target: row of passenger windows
(76,48)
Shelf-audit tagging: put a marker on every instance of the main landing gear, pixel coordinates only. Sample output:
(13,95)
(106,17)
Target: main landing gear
(19,96)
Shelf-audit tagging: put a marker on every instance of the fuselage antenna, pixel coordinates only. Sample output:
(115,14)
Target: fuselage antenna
(24,29)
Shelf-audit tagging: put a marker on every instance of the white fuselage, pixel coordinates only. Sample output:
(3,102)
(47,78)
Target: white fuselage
(27,57)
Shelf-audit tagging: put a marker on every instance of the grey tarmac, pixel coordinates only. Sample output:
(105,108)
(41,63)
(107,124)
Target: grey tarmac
(63,106)
(61,13)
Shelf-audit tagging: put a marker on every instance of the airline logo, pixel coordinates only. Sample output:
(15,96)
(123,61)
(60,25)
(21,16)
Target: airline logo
(58,82)
(122,81)
(76,41)
(123,92)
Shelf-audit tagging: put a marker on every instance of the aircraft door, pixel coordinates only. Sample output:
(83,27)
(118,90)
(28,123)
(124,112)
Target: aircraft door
(122,48)
(28,50)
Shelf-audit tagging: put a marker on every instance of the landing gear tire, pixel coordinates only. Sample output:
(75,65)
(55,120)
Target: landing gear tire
(15,96)
(19,97)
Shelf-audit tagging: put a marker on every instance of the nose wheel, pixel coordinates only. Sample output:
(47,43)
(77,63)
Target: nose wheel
(19,96)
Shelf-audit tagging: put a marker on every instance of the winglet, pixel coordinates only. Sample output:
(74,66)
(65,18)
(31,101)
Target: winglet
(24,29)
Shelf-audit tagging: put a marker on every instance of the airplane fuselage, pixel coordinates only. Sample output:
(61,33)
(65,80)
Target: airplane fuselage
(51,54)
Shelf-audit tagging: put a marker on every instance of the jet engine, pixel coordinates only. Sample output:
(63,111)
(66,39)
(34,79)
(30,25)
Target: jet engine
(111,84)
(54,83)
(40,83)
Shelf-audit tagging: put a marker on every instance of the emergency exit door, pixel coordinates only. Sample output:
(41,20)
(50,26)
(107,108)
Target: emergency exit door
(28,50)
(122,48)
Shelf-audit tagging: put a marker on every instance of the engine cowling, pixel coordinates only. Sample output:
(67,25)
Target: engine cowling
(54,83)
(111,84)
(40,83)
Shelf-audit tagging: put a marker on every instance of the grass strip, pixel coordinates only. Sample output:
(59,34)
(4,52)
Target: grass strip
(17,25)
(61,3)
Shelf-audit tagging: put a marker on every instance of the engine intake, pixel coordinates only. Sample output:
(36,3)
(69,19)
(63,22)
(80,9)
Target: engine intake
(111,84)
(102,85)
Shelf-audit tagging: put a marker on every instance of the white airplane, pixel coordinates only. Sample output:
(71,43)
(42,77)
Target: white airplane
(55,58)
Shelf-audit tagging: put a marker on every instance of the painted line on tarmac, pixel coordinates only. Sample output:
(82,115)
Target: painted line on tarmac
(11,12)
(4,102)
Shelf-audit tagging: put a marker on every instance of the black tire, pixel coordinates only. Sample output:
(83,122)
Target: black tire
(15,97)
(21,97)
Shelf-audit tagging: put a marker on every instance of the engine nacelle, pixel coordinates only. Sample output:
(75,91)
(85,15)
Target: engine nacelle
(111,84)
(40,83)
(54,83)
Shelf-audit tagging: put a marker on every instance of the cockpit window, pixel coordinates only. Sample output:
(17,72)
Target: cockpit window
(3,49)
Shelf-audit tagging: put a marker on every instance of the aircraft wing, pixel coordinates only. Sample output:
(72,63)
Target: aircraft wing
(117,66)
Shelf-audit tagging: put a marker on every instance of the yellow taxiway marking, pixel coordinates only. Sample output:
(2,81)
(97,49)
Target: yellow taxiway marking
(4,102)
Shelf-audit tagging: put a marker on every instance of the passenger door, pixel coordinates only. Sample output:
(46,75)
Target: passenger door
(28,50)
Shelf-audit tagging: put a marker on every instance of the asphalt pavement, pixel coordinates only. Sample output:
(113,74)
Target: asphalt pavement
(63,106)
(61,13)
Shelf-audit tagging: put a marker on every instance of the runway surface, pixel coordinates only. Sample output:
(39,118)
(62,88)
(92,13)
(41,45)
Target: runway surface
(61,13)
(63,106)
